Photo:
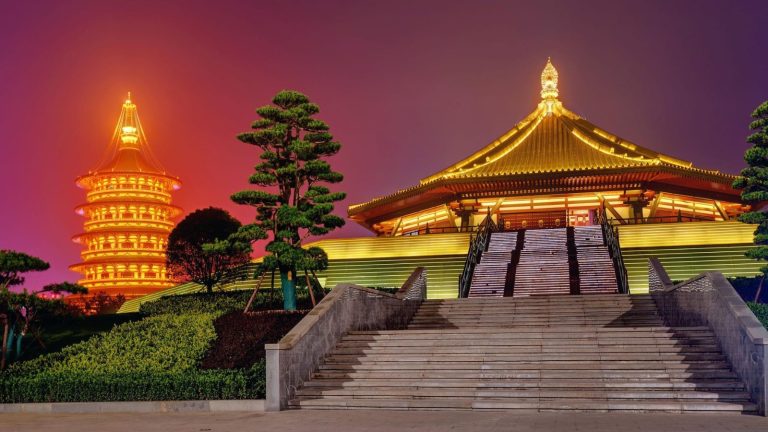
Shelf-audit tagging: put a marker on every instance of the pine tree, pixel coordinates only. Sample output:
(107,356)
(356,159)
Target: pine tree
(754,183)
(291,201)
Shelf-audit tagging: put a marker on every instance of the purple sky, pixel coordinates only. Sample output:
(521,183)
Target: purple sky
(408,87)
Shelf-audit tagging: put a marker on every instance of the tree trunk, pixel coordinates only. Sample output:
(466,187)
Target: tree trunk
(19,338)
(10,352)
(288,283)
(759,289)
(4,318)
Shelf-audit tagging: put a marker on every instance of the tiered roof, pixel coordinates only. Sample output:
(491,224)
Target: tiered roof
(552,143)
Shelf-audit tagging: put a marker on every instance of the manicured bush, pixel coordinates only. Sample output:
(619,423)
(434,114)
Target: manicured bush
(221,302)
(156,358)
(761,312)
(165,343)
(82,386)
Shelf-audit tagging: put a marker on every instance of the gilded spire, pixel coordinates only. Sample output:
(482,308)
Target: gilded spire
(128,125)
(549,81)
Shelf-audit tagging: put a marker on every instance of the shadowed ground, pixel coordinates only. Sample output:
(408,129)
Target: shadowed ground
(338,421)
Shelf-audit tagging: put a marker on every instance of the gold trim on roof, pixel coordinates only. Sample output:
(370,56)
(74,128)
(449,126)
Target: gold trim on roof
(552,139)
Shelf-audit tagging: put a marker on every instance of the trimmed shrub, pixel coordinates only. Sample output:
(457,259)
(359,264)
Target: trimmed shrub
(153,359)
(166,343)
(761,312)
(241,337)
(82,386)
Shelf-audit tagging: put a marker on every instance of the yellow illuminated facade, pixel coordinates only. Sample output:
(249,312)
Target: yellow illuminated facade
(128,216)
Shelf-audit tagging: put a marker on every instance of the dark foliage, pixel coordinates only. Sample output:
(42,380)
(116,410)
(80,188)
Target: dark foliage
(754,183)
(14,264)
(241,337)
(199,250)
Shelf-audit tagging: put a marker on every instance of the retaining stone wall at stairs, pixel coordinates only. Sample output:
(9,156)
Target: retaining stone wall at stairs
(710,300)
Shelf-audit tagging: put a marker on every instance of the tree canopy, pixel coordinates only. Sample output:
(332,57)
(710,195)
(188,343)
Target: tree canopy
(754,183)
(291,198)
(199,248)
(14,264)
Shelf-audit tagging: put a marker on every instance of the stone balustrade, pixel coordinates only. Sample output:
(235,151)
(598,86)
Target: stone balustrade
(346,308)
(709,299)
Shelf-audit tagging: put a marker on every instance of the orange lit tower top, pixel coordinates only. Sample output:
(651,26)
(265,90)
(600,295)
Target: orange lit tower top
(128,215)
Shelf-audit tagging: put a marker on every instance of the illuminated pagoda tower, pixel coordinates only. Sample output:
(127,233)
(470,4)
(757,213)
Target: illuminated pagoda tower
(128,216)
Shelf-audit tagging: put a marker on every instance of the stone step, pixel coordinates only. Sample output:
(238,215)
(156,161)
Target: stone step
(488,349)
(529,393)
(527,406)
(525,366)
(561,332)
(391,384)
(543,357)
(632,375)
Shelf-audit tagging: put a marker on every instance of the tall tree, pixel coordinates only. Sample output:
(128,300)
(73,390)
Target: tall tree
(291,201)
(14,264)
(199,250)
(754,183)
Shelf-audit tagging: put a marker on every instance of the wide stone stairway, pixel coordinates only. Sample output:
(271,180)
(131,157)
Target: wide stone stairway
(550,353)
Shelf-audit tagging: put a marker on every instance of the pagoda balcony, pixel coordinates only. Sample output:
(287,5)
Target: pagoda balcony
(136,224)
(119,195)
(122,253)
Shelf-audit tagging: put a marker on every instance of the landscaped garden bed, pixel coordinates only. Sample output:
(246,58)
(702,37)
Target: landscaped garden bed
(197,346)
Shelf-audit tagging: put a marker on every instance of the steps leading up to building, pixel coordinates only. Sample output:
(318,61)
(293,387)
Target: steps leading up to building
(489,277)
(604,353)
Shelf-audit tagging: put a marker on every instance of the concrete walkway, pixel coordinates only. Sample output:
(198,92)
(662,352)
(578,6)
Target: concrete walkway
(343,421)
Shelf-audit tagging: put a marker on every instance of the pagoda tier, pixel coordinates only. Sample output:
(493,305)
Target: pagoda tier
(128,215)
(558,163)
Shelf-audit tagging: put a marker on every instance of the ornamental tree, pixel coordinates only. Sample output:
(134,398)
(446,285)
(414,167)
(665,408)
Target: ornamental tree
(14,264)
(754,183)
(199,249)
(292,200)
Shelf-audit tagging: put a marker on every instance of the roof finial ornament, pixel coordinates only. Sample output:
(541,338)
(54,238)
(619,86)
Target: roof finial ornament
(549,81)
(128,126)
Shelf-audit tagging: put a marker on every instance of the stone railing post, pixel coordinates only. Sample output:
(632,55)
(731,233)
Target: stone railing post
(347,307)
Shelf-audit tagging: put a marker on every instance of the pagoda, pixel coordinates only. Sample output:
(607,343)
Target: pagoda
(554,169)
(128,216)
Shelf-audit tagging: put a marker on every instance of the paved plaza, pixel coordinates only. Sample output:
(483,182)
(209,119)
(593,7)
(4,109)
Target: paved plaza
(342,421)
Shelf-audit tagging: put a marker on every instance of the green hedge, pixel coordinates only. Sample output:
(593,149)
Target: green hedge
(86,386)
(167,343)
(156,358)
(761,312)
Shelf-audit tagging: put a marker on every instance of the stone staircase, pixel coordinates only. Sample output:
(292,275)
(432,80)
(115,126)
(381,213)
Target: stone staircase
(490,274)
(554,353)
(596,271)
(543,267)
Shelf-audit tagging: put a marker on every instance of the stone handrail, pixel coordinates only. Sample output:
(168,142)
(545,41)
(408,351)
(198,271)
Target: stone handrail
(346,308)
(710,300)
